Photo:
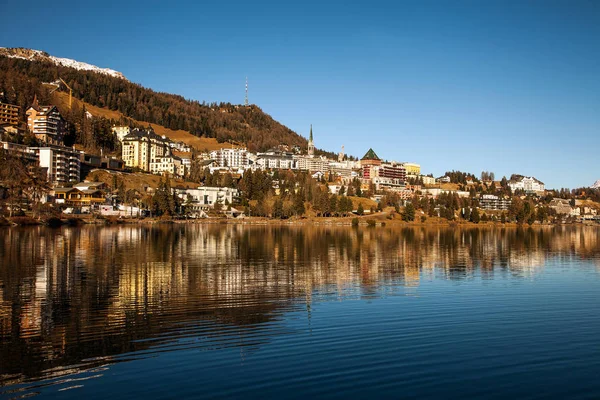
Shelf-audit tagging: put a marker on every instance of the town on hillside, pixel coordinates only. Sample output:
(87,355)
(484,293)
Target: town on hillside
(150,175)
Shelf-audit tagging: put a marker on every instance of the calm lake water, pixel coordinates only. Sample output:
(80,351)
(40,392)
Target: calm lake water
(221,311)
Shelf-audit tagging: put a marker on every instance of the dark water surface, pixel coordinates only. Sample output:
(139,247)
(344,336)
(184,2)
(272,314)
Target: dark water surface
(299,312)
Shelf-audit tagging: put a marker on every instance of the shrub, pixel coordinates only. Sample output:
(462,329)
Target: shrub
(354,221)
(371,222)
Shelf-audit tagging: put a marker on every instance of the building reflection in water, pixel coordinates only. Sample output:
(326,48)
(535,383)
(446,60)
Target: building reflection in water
(92,293)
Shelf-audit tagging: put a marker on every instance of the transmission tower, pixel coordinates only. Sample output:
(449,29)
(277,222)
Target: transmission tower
(246,100)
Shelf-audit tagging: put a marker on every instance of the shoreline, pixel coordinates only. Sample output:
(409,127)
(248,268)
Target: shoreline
(355,221)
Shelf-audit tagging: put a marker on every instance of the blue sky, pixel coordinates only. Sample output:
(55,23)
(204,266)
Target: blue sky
(504,86)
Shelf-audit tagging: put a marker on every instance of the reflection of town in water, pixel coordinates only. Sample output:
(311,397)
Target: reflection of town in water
(91,293)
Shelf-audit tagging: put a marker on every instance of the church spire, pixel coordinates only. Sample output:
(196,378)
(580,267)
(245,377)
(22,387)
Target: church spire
(35,105)
(311,145)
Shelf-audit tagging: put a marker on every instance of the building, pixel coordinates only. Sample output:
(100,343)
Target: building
(204,197)
(528,184)
(121,132)
(186,160)
(86,185)
(383,183)
(493,202)
(168,164)
(275,159)
(347,170)
(412,168)
(20,150)
(427,180)
(435,192)
(46,123)
(312,164)
(231,158)
(369,159)
(9,114)
(76,196)
(62,163)
(139,148)
(390,170)
(561,206)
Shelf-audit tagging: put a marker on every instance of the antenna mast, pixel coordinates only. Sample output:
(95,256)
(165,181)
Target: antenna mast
(246,100)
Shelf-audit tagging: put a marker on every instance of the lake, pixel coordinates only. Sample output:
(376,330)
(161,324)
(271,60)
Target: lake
(234,311)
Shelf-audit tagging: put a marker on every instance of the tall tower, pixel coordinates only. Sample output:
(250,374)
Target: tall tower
(311,145)
(246,100)
(341,155)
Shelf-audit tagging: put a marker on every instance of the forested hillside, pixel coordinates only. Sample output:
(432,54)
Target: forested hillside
(21,79)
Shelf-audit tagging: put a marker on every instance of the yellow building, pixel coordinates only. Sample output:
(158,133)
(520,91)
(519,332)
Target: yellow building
(412,169)
(79,197)
(140,148)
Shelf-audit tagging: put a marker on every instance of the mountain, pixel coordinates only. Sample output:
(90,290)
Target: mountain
(38,55)
(26,73)
(596,184)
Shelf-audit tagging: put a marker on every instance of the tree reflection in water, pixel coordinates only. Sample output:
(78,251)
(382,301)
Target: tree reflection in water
(79,296)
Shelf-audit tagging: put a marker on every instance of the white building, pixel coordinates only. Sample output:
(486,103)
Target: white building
(168,164)
(435,192)
(121,132)
(528,184)
(231,158)
(312,164)
(205,197)
(180,146)
(62,163)
(275,159)
(427,180)
(493,202)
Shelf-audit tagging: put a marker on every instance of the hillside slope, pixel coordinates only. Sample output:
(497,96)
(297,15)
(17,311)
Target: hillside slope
(23,77)
(61,100)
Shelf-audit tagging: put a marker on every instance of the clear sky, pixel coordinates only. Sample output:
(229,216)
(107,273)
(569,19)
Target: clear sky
(504,86)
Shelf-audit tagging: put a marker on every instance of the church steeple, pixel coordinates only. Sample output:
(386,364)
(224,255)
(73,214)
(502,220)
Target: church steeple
(311,145)
(35,105)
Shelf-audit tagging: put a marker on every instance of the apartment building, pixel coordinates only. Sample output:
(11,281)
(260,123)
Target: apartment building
(46,123)
(62,163)
(139,148)
(412,168)
(205,197)
(275,159)
(9,114)
(231,158)
(168,165)
(20,150)
(312,164)
(493,202)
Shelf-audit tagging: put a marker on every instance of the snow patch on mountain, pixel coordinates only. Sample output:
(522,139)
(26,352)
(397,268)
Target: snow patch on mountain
(34,55)
(596,184)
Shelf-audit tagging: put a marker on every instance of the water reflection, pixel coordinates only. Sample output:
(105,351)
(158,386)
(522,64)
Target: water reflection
(75,299)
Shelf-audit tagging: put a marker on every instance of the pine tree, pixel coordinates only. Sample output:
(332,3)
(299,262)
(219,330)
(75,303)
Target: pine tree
(475,218)
(409,213)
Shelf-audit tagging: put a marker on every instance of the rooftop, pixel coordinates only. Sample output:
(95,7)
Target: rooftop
(370,155)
